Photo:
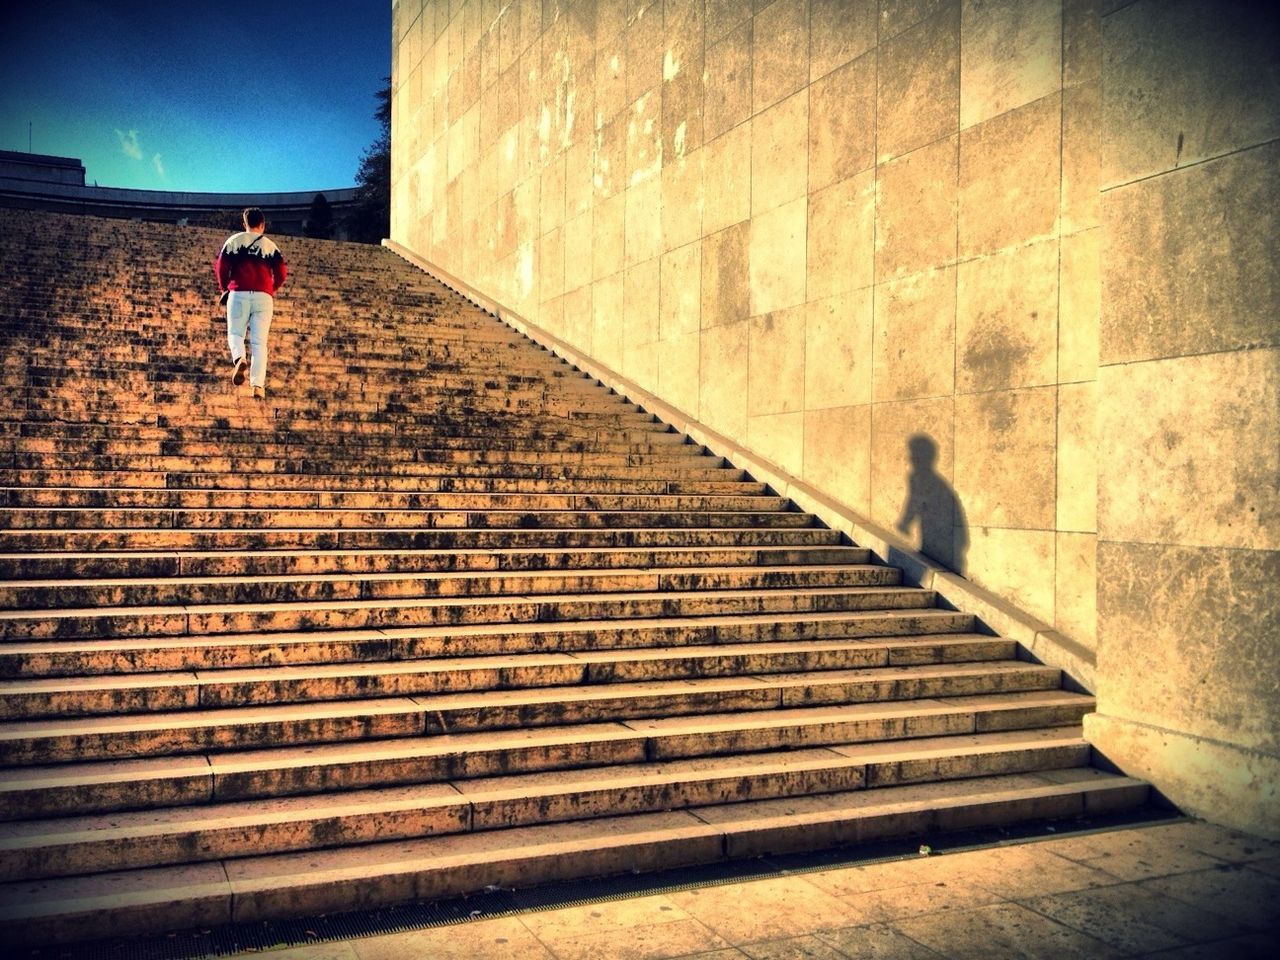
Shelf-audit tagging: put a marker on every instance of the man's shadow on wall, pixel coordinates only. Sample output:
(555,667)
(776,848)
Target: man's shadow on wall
(932,503)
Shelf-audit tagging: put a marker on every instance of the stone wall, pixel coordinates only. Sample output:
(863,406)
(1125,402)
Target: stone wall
(866,241)
(1189,406)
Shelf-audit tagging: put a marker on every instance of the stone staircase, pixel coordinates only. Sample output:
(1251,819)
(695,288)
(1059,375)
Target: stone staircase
(439,614)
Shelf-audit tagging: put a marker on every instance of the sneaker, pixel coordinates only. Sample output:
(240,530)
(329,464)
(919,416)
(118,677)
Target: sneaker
(240,368)
(259,393)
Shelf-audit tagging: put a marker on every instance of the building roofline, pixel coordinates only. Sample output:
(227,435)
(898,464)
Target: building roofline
(170,198)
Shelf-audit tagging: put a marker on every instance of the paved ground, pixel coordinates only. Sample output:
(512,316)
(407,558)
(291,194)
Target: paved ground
(1173,890)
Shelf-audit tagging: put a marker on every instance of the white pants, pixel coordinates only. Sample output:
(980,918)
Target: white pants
(249,318)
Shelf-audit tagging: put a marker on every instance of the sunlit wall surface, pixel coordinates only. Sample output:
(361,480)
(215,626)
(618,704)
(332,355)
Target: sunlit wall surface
(1001,274)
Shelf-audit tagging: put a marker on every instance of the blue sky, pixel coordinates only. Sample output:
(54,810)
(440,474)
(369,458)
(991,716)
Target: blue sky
(244,96)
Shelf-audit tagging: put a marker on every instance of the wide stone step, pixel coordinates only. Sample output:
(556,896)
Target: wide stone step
(392,450)
(379,538)
(45,594)
(259,518)
(325,462)
(206,689)
(121,841)
(45,658)
(424,444)
(442,431)
(23,743)
(293,563)
(221,409)
(97,786)
(209,619)
(188,499)
(306,883)
(132,480)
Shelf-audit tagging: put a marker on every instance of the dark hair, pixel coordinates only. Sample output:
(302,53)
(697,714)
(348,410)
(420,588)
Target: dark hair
(253,218)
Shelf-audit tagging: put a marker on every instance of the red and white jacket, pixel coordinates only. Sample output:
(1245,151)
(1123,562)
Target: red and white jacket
(249,261)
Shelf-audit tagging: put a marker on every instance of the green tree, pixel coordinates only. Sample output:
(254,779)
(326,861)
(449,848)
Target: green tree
(319,218)
(370,220)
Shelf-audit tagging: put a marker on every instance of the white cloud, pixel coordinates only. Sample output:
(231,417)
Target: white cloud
(129,144)
(156,162)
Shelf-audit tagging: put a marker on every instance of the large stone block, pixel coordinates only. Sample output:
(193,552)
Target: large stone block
(837,454)
(915,336)
(640,364)
(1007,319)
(610,80)
(578,178)
(1081,157)
(551,211)
(1191,261)
(1011,55)
(899,15)
(1079,306)
(682,199)
(645,39)
(841,253)
(1189,453)
(728,179)
(842,126)
(728,90)
(644,138)
(916,211)
(1186,640)
(577,317)
(683,99)
(577,251)
(779,438)
(1010,178)
(1187,80)
(640,302)
(915,439)
(1076,587)
(780,52)
(722,16)
(777,259)
(678,367)
(918,85)
(609,160)
(1006,458)
(726,275)
(1078,457)
(776,362)
(1201,776)
(643,230)
(837,366)
(611,19)
(1015,564)
(723,377)
(607,320)
(551,265)
(779,147)
(839,31)
(680,302)
(608,237)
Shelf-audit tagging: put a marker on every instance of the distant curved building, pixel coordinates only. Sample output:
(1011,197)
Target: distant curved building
(37,182)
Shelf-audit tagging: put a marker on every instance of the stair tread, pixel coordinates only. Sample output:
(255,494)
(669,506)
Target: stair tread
(199,676)
(370,801)
(481,629)
(405,602)
(414,704)
(293,873)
